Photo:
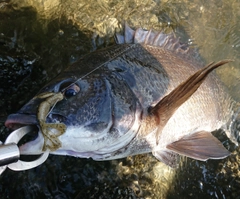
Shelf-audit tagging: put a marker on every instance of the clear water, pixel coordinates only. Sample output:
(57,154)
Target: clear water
(38,39)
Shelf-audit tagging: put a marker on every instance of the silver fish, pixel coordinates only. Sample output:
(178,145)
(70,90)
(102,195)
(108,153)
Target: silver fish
(148,93)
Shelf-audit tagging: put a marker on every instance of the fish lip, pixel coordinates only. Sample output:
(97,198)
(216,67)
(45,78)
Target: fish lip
(17,120)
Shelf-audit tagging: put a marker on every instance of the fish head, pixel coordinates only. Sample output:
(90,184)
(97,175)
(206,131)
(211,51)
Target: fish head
(27,115)
(81,107)
(94,126)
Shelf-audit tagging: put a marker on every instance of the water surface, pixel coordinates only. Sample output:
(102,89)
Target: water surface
(38,39)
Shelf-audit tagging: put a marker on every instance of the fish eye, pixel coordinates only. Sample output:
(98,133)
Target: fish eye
(72,90)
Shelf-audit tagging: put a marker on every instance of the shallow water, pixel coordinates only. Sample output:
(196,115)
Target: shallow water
(38,39)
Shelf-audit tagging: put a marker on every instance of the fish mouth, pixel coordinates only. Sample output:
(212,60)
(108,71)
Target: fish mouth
(32,142)
(15,121)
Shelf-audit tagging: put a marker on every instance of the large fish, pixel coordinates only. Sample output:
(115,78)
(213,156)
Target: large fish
(148,93)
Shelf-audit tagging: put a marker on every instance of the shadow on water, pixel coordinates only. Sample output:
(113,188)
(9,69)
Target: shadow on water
(33,51)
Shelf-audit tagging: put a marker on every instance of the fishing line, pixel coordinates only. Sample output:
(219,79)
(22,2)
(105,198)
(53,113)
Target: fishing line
(52,108)
(64,89)
(129,47)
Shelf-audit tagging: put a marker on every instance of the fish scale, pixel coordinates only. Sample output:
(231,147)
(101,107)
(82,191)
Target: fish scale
(148,93)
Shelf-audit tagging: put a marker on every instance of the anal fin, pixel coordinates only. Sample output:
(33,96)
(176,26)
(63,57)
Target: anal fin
(200,146)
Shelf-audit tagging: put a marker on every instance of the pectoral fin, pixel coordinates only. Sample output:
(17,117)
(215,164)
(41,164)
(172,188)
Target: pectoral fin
(200,146)
(170,103)
(168,157)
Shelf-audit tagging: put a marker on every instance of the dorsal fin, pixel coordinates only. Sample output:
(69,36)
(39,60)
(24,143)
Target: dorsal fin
(164,109)
(153,38)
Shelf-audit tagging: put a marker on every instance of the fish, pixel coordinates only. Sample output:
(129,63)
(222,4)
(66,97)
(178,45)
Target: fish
(147,93)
